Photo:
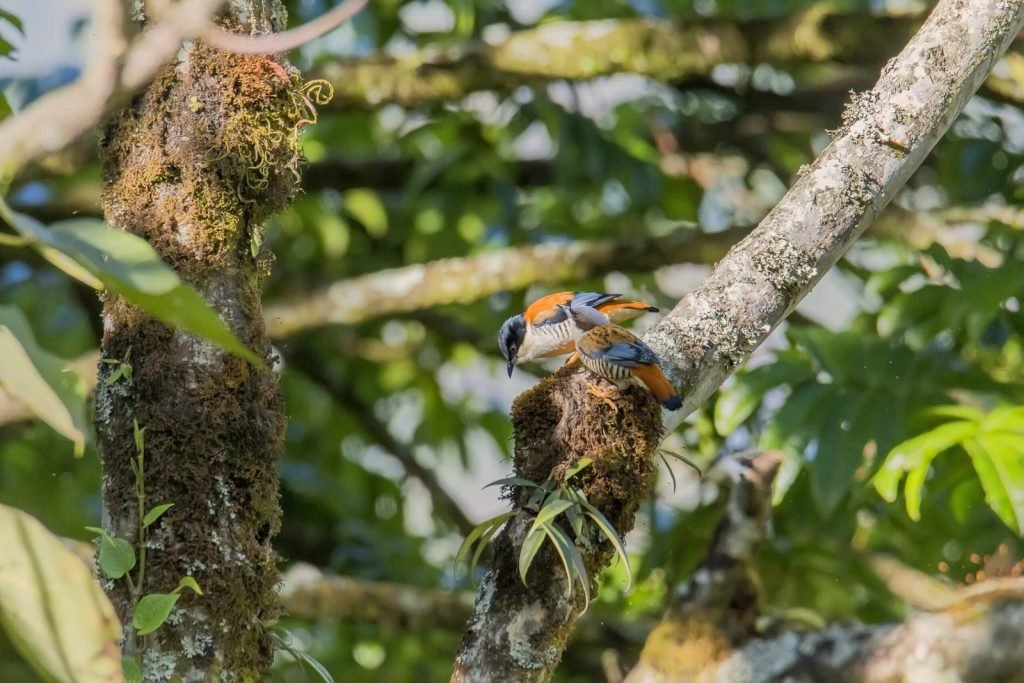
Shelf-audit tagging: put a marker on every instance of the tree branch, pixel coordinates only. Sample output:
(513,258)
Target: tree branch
(518,631)
(663,50)
(114,72)
(461,280)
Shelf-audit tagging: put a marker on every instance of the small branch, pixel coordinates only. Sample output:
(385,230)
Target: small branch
(113,73)
(461,280)
(284,41)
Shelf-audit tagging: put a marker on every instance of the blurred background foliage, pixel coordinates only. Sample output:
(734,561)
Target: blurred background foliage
(923,314)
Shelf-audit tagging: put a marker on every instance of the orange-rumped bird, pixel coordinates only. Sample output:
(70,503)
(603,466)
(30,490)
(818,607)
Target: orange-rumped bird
(617,355)
(545,329)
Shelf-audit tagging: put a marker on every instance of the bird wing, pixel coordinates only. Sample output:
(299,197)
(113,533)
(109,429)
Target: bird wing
(546,311)
(616,345)
(593,299)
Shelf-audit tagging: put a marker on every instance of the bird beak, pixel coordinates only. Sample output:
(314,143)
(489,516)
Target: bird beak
(511,365)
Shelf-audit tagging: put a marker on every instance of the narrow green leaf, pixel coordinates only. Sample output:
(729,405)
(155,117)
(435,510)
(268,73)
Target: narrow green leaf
(52,608)
(575,560)
(485,540)
(190,583)
(116,557)
(13,20)
(999,462)
(577,467)
(152,611)
(612,535)
(685,460)
(668,467)
(955,412)
(41,380)
(562,546)
(315,665)
(551,509)
(155,513)
(913,486)
(531,544)
(513,481)
(477,533)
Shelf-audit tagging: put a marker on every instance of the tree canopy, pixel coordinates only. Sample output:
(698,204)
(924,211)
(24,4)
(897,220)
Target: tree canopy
(438,166)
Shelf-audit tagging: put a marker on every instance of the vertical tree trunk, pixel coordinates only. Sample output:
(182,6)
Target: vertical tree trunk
(193,165)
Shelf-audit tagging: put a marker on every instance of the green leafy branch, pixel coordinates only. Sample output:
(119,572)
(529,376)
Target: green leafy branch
(994,441)
(118,557)
(552,501)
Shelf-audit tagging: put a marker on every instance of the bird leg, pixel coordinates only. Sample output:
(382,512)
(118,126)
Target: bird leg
(605,395)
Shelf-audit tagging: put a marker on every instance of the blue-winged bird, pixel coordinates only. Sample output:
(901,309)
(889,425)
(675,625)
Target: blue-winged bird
(545,329)
(617,355)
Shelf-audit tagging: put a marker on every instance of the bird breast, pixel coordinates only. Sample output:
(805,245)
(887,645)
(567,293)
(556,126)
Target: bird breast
(601,367)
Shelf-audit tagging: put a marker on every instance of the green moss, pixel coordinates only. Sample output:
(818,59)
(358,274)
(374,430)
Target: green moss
(193,165)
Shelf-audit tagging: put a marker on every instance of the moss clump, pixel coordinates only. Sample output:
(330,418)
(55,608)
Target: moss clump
(193,165)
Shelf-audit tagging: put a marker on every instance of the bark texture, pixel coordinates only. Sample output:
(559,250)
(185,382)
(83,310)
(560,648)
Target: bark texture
(193,165)
(518,632)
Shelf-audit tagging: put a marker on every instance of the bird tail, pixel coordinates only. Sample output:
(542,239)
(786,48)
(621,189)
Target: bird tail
(619,311)
(655,380)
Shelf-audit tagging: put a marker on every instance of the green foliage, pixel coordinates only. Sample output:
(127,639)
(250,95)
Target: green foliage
(551,501)
(995,444)
(39,379)
(103,257)
(51,608)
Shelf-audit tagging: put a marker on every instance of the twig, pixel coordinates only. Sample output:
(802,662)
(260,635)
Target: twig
(284,41)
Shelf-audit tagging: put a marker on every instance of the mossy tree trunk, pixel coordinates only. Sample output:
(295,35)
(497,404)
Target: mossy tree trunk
(193,165)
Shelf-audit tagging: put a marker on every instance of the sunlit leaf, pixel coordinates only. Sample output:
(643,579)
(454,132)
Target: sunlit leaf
(152,611)
(51,607)
(912,453)
(39,379)
(999,462)
(128,265)
(190,583)
(365,206)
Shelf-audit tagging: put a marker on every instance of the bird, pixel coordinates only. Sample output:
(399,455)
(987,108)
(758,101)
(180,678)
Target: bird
(545,330)
(619,356)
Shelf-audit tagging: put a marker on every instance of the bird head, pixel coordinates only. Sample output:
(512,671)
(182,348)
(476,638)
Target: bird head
(587,318)
(510,339)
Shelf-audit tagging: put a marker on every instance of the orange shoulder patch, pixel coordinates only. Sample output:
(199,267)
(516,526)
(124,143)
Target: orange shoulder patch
(543,307)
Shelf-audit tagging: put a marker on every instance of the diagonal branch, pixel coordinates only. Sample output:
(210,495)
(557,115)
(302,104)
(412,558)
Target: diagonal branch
(517,632)
(379,432)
